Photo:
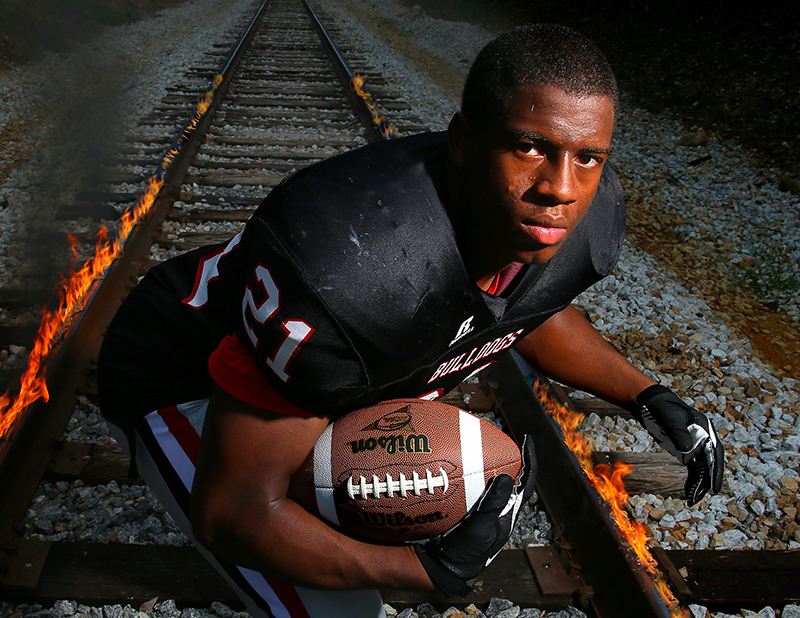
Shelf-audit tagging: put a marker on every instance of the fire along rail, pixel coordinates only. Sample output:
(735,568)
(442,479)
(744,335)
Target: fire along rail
(614,582)
(79,289)
(30,442)
(116,260)
(366,110)
(32,421)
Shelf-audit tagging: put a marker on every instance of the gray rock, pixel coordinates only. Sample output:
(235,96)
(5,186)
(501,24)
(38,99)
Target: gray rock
(792,443)
(570,612)
(734,538)
(791,611)
(65,608)
(166,609)
(742,436)
(698,611)
(497,605)
(426,610)
(757,507)
(222,610)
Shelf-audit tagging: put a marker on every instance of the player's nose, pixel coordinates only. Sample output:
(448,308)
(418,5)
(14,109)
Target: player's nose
(555,182)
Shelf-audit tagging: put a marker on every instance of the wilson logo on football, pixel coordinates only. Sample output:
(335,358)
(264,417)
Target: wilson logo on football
(412,443)
(399,519)
(377,488)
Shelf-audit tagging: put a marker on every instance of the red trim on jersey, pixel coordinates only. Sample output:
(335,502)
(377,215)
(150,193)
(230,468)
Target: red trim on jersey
(493,286)
(234,369)
(504,278)
(204,277)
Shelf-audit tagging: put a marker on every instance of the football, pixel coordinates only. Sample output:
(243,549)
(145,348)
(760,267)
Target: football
(402,470)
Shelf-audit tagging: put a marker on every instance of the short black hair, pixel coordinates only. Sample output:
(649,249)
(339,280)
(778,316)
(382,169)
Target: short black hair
(534,55)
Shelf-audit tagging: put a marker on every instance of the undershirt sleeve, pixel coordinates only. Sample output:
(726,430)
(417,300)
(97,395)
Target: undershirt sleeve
(235,371)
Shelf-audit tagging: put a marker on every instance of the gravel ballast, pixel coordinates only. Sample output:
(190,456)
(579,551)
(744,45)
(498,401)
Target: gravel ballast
(667,328)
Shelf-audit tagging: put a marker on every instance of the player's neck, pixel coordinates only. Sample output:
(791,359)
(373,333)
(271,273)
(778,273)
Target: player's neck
(482,264)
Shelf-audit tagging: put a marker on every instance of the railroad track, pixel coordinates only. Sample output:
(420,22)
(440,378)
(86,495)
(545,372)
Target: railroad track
(278,105)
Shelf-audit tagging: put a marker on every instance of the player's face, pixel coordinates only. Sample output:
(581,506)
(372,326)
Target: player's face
(531,177)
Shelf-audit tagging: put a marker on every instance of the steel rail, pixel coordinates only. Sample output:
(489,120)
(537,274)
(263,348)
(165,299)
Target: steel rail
(37,432)
(617,586)
(346,76)
(183,148)
(36,438)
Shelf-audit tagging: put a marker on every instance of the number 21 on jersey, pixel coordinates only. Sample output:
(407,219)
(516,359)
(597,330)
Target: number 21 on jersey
(296,332)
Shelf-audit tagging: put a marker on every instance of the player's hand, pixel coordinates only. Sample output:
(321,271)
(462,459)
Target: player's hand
(685,433)
(454,560)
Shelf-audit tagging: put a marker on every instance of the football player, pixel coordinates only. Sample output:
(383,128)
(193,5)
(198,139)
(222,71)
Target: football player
(395,270)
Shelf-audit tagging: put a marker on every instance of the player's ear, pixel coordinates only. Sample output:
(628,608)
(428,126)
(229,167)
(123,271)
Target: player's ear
(459,138)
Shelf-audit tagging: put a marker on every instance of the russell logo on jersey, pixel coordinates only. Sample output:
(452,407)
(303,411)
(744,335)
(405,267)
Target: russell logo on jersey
(465,329)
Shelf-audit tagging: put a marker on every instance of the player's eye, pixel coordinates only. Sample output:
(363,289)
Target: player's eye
(528,148)
(587,160)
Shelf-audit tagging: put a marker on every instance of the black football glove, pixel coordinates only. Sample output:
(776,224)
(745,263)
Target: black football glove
(454,560)
(685,433)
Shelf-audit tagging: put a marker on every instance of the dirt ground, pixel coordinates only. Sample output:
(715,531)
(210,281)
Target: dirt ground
(30,27)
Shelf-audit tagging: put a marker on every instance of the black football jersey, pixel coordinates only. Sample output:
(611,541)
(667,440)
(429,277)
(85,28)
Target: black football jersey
(347,287)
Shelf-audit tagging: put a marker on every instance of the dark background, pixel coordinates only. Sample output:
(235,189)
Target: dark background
(730,69)
(28,27)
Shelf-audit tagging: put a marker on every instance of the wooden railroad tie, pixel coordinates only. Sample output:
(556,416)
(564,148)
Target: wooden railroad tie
(98,573)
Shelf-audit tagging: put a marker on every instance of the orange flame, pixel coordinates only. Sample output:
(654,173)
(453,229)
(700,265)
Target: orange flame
(76,285)
(359,85)
(607,480)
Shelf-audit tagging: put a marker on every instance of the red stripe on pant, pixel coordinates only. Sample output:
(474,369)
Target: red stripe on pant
(189,440)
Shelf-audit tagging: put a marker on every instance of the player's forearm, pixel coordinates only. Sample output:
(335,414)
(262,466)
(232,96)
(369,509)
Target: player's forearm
(284,541)
(567,348)
(241,513)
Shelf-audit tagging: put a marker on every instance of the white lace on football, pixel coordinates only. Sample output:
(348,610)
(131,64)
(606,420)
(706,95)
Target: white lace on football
(376,488)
